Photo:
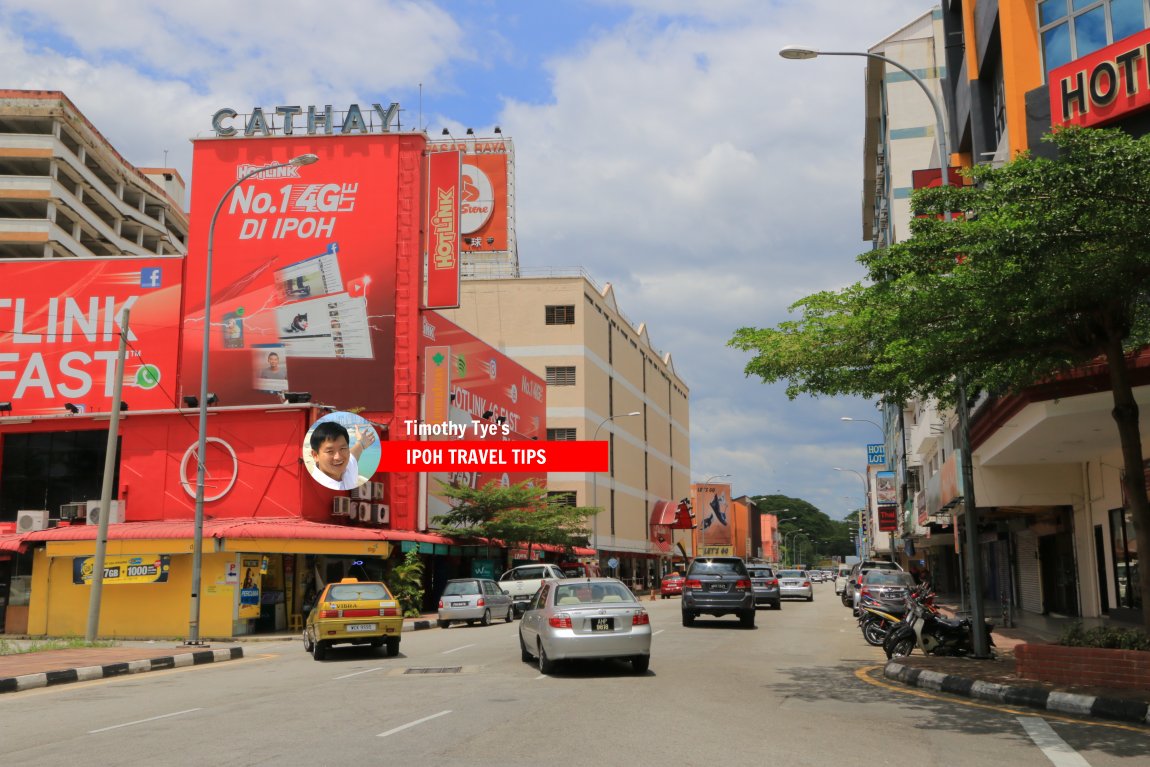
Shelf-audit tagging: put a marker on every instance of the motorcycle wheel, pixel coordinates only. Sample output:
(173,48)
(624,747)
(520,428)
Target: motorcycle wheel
(903,646)
(874,632)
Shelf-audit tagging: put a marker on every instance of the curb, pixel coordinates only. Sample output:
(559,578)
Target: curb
(1033,697)
(64,676)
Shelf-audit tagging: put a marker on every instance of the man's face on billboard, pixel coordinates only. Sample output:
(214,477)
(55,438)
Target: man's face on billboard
(332,457)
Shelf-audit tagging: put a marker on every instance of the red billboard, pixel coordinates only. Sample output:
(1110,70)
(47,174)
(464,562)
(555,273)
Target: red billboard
(485,207)
(1105,85)
(303,288)
(442,230)
(60,333)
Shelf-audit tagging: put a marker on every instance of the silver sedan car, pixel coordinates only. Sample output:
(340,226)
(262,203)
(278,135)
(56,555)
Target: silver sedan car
(796,584)
(474,599)
(585,618)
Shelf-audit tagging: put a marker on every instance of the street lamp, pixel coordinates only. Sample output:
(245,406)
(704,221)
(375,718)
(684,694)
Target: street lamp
(788,548)
(595,475)
(864,420)
(703,530)
(973,569)
(202,443)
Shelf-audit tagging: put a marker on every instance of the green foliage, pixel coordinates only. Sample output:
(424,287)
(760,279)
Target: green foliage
(833,535)
(12,648)
(1109,637)
(406,584)
(516,516)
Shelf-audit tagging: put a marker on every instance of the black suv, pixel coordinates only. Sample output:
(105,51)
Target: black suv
(718,586)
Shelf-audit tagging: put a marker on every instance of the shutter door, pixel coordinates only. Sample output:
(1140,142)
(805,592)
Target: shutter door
(1029,588)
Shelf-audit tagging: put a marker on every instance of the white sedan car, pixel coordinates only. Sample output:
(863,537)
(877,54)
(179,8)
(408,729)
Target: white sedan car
(585,618)
(796,584)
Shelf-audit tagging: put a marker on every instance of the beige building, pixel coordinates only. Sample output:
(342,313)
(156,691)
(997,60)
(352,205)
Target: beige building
(65,192)
(600,368)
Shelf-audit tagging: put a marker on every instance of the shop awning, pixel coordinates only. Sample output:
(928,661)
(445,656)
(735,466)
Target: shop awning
(262,527)
(663,513)
(13,543)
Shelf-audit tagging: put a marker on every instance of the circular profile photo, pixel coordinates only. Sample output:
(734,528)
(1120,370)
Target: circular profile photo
(341,450)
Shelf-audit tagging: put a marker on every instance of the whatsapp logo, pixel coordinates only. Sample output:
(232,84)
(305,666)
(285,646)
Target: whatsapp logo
(148,377)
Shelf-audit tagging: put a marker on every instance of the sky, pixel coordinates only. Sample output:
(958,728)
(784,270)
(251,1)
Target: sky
(661,145)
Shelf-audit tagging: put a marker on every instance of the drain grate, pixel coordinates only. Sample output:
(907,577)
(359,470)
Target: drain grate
(435,670)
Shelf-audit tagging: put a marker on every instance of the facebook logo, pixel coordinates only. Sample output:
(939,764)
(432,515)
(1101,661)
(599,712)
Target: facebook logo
(150,277)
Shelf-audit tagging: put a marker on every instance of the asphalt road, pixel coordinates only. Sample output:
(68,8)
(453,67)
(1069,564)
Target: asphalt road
(792,691)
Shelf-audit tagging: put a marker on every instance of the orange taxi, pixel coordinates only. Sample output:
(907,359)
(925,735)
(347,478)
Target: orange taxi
(353,612)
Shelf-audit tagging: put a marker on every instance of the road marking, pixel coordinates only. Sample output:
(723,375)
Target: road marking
(657,633)
(541,676)
(357,673)
(142,721)
(863,674)
(1054,748)
(412,724)
(457,649)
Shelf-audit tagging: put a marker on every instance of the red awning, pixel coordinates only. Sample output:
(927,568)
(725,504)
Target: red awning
(13,543)
(663,513)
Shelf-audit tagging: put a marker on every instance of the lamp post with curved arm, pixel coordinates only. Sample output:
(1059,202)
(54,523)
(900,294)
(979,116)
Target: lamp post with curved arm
(595,476)
(973,567)
(202,442)
(792,534)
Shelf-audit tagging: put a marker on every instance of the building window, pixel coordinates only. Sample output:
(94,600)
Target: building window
(562,498)
(561,315)
(1125,553)
(561,435)
(561,375)
(1071,29)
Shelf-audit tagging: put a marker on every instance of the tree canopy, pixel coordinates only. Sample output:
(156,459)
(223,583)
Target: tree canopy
(1044,267)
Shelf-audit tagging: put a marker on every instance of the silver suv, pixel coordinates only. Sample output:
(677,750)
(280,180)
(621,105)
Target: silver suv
(850,589)
(718,586)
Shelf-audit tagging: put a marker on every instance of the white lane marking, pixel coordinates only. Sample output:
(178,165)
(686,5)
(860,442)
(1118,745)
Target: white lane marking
(357,673)
(1054,748)
(402,727)
(657,633)
(541,676)
(142,721)
(457,649)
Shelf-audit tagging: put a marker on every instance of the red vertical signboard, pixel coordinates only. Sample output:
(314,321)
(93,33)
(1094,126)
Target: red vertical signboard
(442,230)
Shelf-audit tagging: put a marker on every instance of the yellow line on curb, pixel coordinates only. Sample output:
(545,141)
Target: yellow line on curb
(863,674)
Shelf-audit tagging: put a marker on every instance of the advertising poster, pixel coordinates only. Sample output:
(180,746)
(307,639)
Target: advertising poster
(138,568)
(303,270)
(441,236)
(712,505)
(485,204)
(480,380)
(60,333)
(250,586)
(885,488)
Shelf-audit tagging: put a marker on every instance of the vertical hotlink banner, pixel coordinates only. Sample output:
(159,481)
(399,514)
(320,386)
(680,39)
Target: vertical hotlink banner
(442,230)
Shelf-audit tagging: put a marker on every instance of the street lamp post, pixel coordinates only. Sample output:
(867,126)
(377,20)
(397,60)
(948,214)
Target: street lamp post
(864,420)
(789,551)
(703,530)
(981,650)
(202,443)
(595,476)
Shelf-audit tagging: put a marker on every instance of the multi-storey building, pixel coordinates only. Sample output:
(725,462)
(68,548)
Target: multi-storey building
(606,381)
(66,192)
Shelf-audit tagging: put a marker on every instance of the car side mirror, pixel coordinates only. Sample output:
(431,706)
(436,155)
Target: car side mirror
(506,593)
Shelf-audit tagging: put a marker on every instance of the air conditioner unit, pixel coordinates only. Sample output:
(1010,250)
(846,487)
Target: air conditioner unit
(377,491)
(28,520)
(115,512)
(380,513)
(74,510)
(341,506)
(880,157)
(364,511)
(362,493)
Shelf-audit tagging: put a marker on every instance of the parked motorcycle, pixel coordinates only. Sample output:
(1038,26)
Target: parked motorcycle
(932,634)
(875,622)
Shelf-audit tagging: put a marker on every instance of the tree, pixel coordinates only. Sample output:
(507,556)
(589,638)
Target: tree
(1046,270)
(517,515)
(406,584)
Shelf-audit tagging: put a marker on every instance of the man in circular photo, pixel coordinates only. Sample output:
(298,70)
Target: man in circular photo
(336,452)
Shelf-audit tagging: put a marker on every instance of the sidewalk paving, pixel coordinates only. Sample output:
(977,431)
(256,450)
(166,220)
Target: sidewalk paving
(995,680)
(30,670)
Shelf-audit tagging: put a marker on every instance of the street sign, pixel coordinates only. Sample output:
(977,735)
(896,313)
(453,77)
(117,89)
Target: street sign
(876,455)
(612,563)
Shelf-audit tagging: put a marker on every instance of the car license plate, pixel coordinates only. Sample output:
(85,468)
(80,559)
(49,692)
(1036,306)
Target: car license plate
(716,587)
(459,604)
(362,627)
(602,624)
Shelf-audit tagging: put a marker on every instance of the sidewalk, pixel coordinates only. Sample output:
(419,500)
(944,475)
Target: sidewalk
(30,670)
(995,680)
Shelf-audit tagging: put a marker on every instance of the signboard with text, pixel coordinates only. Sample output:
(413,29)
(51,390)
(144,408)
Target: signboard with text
(485,203)
(443,268)
(876,455)
(1103,86)
(138,568)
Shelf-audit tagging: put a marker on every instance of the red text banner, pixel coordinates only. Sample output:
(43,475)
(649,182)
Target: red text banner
(491,456)
(1103,86)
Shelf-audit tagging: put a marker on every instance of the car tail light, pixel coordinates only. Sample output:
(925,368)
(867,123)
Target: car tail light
(693,583)
(480,603)
(641,619)
(773,582)
(441,604)
(560,621)
(744,585)
(389,611)
(329,613)
(806,584)
(864,591)
(361,613)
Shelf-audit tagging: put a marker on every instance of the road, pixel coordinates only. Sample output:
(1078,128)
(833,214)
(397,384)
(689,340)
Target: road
(793,691)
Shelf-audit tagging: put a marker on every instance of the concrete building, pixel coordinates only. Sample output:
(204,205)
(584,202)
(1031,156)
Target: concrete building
(607,381)
(65,192)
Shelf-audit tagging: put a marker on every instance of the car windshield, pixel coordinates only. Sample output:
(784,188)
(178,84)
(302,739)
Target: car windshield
(592,593)
(524,574)
(461,588)
(760,572)
(888,578)
(792,574)
(881,566)
(354,592)
(718,567)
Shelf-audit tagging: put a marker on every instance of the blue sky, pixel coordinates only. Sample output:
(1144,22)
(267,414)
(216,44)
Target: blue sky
(662,145)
